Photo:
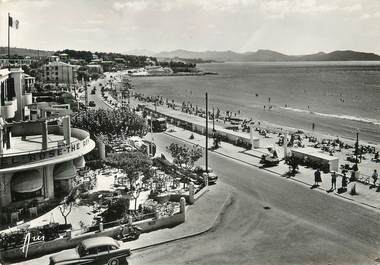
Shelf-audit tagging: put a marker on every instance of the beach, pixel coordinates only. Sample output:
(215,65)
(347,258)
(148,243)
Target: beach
(340,98)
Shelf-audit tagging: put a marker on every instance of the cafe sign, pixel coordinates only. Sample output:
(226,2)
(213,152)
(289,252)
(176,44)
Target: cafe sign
(23,158)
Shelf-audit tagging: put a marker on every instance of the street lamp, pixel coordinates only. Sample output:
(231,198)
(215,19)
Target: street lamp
(357,147)
(206,133)
(213,120)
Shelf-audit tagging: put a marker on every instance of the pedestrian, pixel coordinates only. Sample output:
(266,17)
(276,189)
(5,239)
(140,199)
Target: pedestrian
(374,177)
(317,177)
(344,180)
(313,126)
(333,180)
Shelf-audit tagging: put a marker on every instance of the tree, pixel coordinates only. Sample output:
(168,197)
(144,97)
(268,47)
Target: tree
(184,156)
(66,207)
(131,163)
(110,123)
(116,210)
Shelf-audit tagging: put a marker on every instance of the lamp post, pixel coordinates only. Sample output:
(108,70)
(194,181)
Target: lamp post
(357,148)
(206,132)
(213,119)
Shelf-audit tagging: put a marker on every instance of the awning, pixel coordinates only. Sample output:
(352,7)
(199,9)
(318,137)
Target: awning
(79,162)
(27,181)
(64,171)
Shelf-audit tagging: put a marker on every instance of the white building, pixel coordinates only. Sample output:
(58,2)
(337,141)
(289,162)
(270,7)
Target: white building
(59,72)
(39,158)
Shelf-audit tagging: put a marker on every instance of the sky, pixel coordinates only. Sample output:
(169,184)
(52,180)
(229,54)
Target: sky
(287,26)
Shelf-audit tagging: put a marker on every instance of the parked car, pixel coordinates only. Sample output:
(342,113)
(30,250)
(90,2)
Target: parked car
(97,250)
(201,171)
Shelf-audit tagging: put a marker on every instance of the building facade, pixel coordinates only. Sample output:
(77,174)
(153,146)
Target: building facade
(59,72)
(39,157)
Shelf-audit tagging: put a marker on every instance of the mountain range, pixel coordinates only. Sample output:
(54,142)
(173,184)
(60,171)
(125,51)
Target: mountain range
(262,56)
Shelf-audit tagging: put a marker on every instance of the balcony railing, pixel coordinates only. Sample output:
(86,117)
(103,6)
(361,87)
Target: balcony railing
(18,158)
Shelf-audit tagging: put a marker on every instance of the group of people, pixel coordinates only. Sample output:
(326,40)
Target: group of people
(334,175)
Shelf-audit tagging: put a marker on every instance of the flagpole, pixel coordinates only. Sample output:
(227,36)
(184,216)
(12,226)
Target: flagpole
(9,33)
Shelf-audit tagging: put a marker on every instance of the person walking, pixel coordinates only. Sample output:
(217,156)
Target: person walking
(333,180)
(317,177)
(374,177)
(344,180)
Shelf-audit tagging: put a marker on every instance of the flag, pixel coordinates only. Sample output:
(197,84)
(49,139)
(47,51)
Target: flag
(13,23)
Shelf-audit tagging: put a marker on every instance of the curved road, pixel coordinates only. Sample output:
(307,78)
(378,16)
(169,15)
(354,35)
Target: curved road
(272,220)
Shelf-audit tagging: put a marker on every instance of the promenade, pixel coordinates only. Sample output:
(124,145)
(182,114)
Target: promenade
(305,176)
(366,195)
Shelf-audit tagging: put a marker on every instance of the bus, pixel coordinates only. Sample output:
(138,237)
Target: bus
(157,124)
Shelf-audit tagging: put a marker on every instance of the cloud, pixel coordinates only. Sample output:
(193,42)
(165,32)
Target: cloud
(282,8)
(353,8)
(168,5)
(130,5)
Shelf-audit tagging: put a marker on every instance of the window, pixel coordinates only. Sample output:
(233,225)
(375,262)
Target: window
(103,249)
(113,248)
(92,251)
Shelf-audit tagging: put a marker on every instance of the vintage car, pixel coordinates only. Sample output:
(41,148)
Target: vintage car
(202,172)
(97,250)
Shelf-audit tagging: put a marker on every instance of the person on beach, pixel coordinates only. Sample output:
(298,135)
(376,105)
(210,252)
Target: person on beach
(317,177)
(374,177)
(333,180)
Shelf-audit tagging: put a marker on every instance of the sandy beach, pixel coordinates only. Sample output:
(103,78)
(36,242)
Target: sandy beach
(295,96)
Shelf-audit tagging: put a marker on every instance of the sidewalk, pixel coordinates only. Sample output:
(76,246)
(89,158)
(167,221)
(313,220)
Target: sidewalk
(365,196)
(200,218)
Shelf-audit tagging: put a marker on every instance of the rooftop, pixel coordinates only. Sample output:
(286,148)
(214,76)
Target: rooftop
(33,143)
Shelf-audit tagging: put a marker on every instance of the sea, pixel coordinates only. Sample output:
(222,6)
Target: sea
(339,98)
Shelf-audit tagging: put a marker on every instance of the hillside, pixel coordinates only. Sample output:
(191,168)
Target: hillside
(270,56)
(25,52)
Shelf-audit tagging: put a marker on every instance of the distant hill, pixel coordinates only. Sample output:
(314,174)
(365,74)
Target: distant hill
(25,52)
(270,56)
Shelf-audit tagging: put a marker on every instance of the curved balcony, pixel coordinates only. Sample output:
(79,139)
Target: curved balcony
(29,153)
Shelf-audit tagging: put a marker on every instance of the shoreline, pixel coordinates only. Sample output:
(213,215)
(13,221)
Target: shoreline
(175,74)
(280,117)
(270,126)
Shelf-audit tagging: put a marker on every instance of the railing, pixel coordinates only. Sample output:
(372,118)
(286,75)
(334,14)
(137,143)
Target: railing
(41,154)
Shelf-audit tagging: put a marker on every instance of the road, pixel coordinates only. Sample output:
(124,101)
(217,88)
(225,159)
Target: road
(274,221)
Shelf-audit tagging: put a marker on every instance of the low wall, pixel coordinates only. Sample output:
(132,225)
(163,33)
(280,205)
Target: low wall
(201,192)
(165,222)
(43,248)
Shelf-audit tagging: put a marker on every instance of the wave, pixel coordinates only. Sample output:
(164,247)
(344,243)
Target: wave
(336,116)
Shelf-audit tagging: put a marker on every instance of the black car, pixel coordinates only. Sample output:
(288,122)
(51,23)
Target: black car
(202,172)
(95,251)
